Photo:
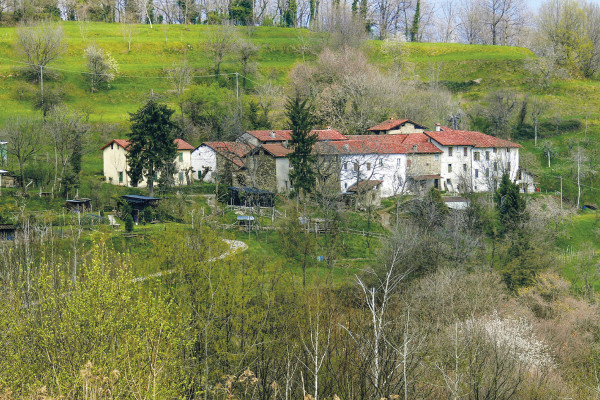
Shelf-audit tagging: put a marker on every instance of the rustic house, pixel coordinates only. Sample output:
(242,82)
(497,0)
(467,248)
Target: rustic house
(116,168)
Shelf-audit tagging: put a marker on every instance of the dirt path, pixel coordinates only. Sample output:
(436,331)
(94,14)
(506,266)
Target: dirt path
(234,246)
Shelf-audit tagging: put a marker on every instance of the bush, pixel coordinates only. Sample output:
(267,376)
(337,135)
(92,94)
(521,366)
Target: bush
(128,223)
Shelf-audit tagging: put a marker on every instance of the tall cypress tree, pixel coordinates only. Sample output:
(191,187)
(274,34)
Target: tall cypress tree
(510,204)
(300,113)
(151,142)
(414,30)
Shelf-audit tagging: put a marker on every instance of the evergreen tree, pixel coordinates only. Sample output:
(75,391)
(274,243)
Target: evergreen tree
(510,204)
(128,223)
(290,14)
(151,141)
(300,114)
(240,12)
(414,30)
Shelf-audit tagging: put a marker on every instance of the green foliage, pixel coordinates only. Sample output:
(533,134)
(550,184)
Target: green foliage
(152,143)
(414,29)
(300,113)
(240,12)
(209,107)
(510,204)
(128,221)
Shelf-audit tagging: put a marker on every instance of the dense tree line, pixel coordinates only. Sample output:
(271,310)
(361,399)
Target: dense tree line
(430,318)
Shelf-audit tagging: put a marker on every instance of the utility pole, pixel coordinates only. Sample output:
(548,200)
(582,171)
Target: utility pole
(561,193)
(42,83)
(578,175)
(237,87)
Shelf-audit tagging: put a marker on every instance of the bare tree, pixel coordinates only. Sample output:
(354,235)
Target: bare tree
(246,52)
(39,45)
(221,42)
(24,137)
(180,75)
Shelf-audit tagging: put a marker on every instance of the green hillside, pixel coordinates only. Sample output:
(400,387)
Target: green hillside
(471,72)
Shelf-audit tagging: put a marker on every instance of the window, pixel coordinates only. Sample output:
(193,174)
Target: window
(495,150)
(449,167)
(476,173)
(400,162)
(381,162)
(437,157)
(476,156)
(345,165)
(181,157)
(120,177)
(449,151)
(487,156)
(345,185)
(356,166)
(465,151)
(448,181)
(111,145)
(465,167)
(508,167)
(368,166)
(508,150)
(199,174)
(181,176)
(495,166)
(487,172)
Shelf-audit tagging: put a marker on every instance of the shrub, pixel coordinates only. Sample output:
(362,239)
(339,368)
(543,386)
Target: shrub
(128,223)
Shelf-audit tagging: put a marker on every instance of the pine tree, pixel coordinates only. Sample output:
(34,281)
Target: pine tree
(414,30)
(510,204)
(151,141)
(300,114)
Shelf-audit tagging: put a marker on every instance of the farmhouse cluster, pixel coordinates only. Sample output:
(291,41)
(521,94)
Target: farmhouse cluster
(397,156)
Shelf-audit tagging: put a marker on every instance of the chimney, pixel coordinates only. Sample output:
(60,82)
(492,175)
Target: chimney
(272,134)
(414,147)
(328,128)
(438,127)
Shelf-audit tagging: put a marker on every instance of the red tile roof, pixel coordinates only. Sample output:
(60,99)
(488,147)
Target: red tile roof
(233,151)
(328,134)
(451,137)
(183,145)
(124,143)
(282,135)
(121,142)
(365,185)
(271,136)
(394,123)
(379,144)
(276,149)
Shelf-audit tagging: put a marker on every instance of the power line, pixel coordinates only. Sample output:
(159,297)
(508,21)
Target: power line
(119,76)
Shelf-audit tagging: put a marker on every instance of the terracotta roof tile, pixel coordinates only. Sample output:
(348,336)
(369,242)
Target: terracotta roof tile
(276,149)
(124,143)
(282,135)
(365,185)
(451,137)
(379,144)
(183,145)
(233,151)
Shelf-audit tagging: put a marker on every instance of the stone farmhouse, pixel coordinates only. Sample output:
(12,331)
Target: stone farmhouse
(115,163)
(397,156)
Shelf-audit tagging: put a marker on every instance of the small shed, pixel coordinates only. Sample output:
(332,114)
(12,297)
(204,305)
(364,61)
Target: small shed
(250,196)
(138,203)
(457,203)
(79,205)
(245,222)
(7,231)
(366,192)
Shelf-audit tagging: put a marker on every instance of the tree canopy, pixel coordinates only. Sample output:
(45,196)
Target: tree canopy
(151,141)
(300,114)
